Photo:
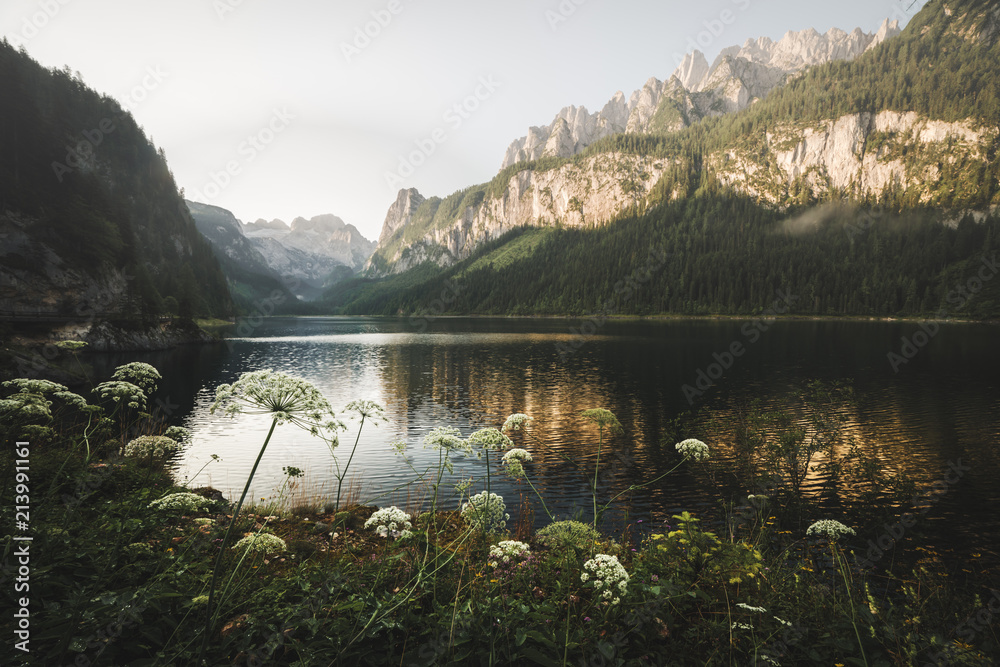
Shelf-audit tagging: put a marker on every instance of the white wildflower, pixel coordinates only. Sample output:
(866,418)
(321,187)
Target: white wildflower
(829,528)
(693,449)
(514,460)
(507,550)
(262,543)
(369,411)
(151,447)
(389,522)
(180,502)
(516,422)
(282,397)
(490,439)
(608,573)
(756,610)
(123,393)
(486,511)
(140,374)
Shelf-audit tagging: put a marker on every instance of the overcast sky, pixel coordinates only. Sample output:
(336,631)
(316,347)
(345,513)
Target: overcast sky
(284,109)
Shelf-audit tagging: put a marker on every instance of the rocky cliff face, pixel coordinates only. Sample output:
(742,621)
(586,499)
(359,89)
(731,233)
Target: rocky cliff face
(696,90)
(228,238)
(591,193)
(860,154)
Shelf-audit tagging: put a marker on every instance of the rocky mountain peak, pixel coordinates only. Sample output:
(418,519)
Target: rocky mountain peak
(738,76)
(400,212)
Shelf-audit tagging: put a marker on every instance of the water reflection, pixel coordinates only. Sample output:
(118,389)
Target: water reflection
(942,406)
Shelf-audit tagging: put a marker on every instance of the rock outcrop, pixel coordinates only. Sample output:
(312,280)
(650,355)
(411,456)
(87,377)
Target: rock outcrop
(696,90)
(574,195)
(862,154)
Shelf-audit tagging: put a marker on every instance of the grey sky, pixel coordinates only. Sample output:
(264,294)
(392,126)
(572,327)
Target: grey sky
(310,119)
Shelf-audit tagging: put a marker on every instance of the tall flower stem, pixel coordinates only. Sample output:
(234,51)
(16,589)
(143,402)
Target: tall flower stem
(225,542)
(340,477)
(850,598)
(597,467)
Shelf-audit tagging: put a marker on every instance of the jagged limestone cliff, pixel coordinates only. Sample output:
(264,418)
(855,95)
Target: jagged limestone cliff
(696,90)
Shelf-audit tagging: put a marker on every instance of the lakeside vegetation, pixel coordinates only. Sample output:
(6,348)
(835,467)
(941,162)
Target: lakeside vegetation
(123,556)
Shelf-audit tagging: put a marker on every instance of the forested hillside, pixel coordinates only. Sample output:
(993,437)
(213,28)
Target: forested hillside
(90,214)
(740,211)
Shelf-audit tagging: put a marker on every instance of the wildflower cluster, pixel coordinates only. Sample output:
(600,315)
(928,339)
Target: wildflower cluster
(506,552)
(490,439)
(568,534)
(26,407)
(448,439)
(603,418)
(180,502)
(177,433)
(139,374)
(514,460)
(390,522)
(123,393)
(151,447)
(367,410)
(829,528)
(281,396)
(693,449)
(516,422)
(608,575)
(262,543)
(486,511)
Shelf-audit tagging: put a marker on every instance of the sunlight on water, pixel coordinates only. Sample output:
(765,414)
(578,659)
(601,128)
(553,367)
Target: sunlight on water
(473,373)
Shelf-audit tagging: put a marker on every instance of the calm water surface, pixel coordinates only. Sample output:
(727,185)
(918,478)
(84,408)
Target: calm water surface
(942,406)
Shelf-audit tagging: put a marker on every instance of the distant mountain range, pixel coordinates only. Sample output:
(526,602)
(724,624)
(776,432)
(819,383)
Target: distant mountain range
(739,76)
(306,257)
(784,150)
(588,169)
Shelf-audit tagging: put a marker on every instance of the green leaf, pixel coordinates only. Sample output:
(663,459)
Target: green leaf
(520,636)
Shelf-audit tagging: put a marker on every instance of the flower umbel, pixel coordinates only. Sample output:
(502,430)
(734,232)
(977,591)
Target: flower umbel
(151,447)
(282,397)
(506,552)
(180,502)
(829,528)
(140,374)
(516,422)
(609,577)
(514,460)
(491,439)
(263,543)
(390,522)
(486,511)
(693,449)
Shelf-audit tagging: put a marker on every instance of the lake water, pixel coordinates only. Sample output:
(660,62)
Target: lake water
(939,407)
